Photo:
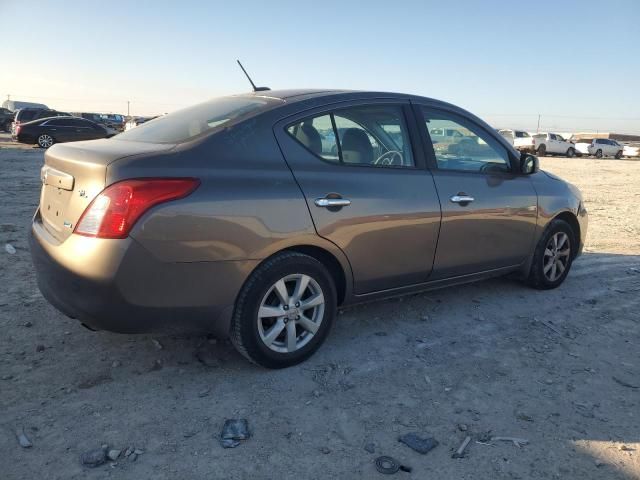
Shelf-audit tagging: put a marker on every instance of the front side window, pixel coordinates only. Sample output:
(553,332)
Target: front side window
(371,135)
(472,149)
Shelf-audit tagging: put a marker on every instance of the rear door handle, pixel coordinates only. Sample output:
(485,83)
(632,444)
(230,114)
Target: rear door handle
(462,198)
(332,202)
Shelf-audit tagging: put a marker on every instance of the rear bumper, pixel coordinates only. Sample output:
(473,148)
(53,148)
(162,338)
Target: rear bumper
(117,285)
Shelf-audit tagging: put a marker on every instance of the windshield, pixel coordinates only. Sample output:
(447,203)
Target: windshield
(190,122)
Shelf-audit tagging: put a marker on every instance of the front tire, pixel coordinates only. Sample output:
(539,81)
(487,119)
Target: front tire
(619,155)
(571,153)
(285,311)
(45,140)
(599,153)
(553,256)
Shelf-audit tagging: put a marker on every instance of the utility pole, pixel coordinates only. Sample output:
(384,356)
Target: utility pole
(127,108)
(538,129)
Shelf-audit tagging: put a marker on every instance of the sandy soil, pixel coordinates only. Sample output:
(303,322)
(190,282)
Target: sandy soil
(559,369)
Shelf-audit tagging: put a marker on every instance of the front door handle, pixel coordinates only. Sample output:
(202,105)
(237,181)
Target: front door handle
(332,202)
(462,198)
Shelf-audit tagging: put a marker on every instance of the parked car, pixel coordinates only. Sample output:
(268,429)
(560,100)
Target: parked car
(522,141)
(600,147)
(552,143)
(631,151)
(25,115)
(133,122)
(115,123)
(233,217)
(6,118)
(47,131)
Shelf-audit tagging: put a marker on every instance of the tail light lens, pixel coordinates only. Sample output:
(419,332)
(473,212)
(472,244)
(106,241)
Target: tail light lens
(116,209)
(17,129)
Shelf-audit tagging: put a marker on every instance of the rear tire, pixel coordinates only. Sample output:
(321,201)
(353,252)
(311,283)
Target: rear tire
(293,333)
(45,140)
(619,155)
(571,153)
(553,256)
(542,150)
(599,153)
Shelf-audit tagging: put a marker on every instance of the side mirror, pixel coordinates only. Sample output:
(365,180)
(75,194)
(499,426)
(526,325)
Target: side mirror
(529,164)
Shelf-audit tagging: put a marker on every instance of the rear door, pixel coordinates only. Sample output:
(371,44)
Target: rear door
(363,177)
(488,209)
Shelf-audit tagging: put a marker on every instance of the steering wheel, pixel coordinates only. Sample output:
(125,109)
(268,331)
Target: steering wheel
(388,158)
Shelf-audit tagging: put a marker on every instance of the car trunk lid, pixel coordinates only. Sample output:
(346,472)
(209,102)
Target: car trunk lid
(75,173)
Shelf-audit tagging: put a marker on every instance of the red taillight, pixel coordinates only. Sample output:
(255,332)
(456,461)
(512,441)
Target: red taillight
(113,212)
(17,129)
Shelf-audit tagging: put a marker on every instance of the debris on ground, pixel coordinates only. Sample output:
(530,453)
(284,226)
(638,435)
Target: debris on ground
(94,458)
(156,344)
(23,440)
(233,431)
(325,450)
(389,465)
(420,444)
(518,442)
(113,454)
(548,325)
(156,365)
(39,348)
(461,449)
(370,447)
(463,427)
(624,383)
(11,250)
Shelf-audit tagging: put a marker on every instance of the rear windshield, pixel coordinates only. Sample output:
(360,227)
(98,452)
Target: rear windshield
(190,122)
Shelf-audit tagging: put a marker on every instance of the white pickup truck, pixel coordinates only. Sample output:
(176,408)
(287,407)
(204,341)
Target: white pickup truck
(519,139)
(552,143)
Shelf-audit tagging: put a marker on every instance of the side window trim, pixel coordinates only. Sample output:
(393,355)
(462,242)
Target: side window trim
(427,144)
(335,108)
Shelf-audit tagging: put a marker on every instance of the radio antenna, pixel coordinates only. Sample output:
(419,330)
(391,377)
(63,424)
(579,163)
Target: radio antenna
(253,85)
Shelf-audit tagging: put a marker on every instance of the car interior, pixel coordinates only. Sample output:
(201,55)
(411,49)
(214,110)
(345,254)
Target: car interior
(373,136)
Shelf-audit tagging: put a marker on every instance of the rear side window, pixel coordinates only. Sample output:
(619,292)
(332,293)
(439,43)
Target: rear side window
(27,115)
(374,136)
(522,134)
(193,121)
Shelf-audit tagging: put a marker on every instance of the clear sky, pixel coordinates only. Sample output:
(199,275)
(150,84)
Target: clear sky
(576,63)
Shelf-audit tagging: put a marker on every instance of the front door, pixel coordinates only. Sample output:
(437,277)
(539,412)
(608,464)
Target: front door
(367,189)
(488,209)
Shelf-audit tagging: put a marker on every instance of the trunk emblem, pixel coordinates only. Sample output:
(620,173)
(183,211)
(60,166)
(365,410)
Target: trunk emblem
(82,193)
(67,224)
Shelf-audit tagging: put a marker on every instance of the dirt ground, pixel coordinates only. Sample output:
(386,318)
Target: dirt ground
(560,369)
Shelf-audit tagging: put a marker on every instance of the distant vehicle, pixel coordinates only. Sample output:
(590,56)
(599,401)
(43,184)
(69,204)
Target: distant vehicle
(631,151)
(553,143)
(114,120)
(114,123)
(25,115)
(133,122)
(6,118)
(600,147)
(14,105)
(47,131)
(521,139)
(507,135)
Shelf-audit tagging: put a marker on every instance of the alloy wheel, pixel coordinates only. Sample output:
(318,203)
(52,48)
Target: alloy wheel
(556,256)
(290,313)
(45,141)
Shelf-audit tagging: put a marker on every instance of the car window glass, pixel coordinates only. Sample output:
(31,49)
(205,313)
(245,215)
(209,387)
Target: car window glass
(474,150)
(372,135)
(318,136)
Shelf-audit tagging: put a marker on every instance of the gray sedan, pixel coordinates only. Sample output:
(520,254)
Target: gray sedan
(255,216)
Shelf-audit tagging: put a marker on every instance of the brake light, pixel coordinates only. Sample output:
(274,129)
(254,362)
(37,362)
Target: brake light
(18,129)
(116,209)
